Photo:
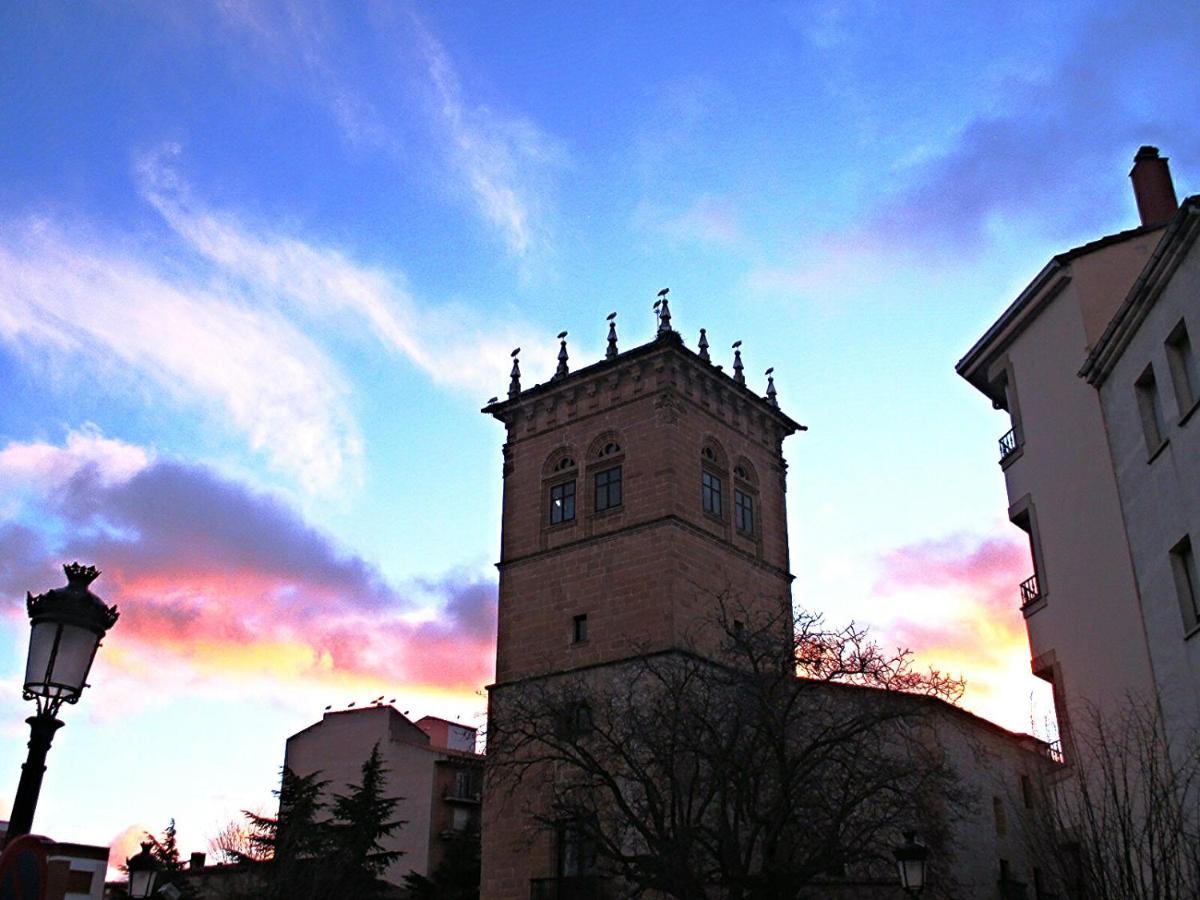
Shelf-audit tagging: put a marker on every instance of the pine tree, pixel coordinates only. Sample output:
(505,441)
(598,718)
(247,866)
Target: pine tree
(362,819)
(456,876)
(292,849)
(166,849)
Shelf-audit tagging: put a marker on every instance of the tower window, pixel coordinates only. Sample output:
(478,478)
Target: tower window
(710,493)
(743,512)
(608,489)
(579,629)
(562,502)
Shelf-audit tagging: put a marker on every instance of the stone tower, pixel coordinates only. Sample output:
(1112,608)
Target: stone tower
(637,491)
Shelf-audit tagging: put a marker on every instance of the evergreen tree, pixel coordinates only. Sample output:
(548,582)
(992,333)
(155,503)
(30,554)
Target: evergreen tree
(362,819)
(166,849)
(456,876)
(292,848)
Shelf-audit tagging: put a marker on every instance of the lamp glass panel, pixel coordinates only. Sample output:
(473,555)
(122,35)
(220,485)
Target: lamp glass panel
(76,647)
(141,883)
(912,873)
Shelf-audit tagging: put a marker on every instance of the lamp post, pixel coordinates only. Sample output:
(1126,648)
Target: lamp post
(910,860)
(143,872)
(66,626)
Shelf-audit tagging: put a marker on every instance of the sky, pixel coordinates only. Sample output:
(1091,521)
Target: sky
(261,264)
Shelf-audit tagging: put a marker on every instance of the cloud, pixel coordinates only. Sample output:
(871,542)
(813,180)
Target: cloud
(94,308)
(708,220)
(217,582)
(954,602)
(450,344)
(503,162)
(1048,155)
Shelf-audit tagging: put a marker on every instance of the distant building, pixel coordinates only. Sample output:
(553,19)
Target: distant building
(637,490)
(431,763)
(74,871)
(1103,470)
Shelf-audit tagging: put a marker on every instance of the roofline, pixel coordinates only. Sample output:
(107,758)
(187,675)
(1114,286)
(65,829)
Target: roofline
(937,702)
(1016,313)
(1181,233)
(668,339)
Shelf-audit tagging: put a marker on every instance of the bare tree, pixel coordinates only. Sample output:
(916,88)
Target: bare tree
(1122,820)
(779,762)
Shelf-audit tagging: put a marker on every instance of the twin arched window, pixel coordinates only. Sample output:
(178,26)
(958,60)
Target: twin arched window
(604,464)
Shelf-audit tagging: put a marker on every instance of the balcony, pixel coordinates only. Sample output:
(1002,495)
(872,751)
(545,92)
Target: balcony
(578,887)
(1008,445)
(459,795)
(1030,593)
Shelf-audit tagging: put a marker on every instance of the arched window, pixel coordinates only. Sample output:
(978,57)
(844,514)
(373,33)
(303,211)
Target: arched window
(605,457)
(745,498)
(559,475)
(713,478)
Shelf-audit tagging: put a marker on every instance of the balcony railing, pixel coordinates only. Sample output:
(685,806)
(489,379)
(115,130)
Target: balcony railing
(457,795)
(1030,592)
(577,887)
(1008,445)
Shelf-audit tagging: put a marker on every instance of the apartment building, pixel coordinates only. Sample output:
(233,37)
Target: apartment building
(1093,363)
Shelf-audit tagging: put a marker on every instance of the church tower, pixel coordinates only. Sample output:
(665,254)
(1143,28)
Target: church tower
(637,492)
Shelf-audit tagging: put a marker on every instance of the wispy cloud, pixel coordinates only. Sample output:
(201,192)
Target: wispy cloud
(502,161)
(450,343)
(217,582)
(103,309)
(707,220)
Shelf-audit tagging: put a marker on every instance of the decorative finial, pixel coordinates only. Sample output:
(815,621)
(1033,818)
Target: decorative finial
(738,375)
(704,346)
(771,388)
(664,311)
(514,381)
(562,371)
(80,576)
(611,352)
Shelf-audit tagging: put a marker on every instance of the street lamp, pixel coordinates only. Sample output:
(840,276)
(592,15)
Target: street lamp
(910,860)
(143,872)
(66,625)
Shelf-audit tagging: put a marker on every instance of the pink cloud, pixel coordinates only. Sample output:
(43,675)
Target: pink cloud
(216,581)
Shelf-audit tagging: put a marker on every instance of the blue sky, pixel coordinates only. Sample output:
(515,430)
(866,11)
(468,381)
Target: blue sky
(261,264)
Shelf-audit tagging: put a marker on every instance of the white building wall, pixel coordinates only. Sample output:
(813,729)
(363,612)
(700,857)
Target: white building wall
(1161,496)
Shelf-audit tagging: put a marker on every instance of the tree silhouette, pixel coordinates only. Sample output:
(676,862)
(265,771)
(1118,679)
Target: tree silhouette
(786,757)
(361,819)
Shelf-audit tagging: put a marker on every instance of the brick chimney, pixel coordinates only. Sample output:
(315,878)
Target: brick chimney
(1152,187)
(196,861)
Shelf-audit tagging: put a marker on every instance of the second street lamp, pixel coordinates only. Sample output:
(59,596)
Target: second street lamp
(143,872)
(910,860)
(66,626)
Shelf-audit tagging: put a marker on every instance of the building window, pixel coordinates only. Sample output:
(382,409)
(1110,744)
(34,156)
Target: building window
(1027,791)
(710,493)
(573,721)
(579,629)
(1000,818)
(1184,372)
(576,850)
(1151,410)
(743,512)
(1187,584)
(608,489)
(562,502)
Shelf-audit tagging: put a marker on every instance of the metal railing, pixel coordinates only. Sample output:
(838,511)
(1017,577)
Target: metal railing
(1030,593)
(577,887)
(1008,444)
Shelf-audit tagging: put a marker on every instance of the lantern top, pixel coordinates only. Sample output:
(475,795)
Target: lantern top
(75,603)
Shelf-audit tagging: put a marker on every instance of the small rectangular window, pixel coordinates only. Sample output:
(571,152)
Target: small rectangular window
(1027,791)
(562,502)
(710,493)
(999,816)
(608,489)
(579,629)
(1187,583)
(743,512)
(1150,408)
(1183,368)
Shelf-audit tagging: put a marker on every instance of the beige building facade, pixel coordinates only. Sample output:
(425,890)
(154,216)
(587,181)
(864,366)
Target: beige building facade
(431,764)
